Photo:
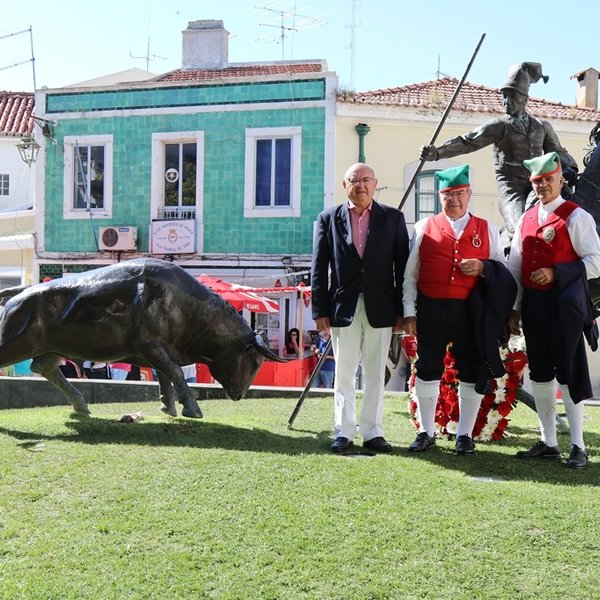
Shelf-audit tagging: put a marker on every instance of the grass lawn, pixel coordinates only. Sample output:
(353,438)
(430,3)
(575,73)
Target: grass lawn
(237,506)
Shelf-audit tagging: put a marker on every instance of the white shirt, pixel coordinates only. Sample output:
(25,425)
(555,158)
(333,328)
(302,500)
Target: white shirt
(582,231)
(411,272)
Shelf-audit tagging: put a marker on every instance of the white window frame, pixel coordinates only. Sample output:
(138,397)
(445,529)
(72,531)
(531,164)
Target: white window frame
(70,144)
(4,184)
(419,214)
(157,199)
(269,133)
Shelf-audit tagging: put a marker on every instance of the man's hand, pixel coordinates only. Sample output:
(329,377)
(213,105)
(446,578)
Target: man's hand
(543,276)
(410,325)
(429,153)
(399,324)
(472,267)
(514,322)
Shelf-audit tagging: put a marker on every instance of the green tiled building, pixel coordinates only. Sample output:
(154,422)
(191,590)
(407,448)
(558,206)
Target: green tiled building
(212,165)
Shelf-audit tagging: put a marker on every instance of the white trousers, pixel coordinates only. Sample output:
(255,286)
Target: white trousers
(359,343)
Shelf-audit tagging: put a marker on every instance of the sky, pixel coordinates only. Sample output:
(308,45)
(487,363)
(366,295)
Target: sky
(370,44)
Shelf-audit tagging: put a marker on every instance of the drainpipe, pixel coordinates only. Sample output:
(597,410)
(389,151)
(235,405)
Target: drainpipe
(362,129)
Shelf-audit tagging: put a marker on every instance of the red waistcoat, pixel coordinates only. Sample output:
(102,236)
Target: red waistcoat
(440,254)
(546,245)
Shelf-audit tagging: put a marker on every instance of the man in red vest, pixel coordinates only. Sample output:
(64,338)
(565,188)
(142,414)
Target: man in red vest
(446,261)
(554,251)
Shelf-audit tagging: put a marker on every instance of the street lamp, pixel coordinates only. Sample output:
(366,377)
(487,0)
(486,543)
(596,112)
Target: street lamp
(28,149)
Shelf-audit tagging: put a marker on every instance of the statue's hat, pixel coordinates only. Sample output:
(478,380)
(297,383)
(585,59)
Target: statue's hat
(453,178)
(540,166)
(520,76)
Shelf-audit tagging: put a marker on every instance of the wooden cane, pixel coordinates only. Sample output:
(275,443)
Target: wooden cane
(312,377)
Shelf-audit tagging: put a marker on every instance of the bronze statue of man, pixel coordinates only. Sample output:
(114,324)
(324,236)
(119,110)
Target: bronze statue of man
(517,136)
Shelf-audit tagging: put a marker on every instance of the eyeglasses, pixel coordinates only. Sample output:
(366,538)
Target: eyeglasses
(363,180)
(456,194)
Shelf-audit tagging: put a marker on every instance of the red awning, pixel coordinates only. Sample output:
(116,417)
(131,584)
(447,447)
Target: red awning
(239,296)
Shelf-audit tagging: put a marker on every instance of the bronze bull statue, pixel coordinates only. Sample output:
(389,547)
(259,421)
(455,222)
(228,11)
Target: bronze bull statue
(146,312)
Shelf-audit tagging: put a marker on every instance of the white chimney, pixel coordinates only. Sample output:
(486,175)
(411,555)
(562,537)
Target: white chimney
(587,88)
(205,45)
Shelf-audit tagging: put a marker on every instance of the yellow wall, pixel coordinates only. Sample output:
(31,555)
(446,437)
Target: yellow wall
(393,144)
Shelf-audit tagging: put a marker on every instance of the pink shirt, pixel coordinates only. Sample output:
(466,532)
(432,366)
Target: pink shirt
(360,226)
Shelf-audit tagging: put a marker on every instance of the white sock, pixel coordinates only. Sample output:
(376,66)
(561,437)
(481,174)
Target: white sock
(574,416)
(469,402)
(545,405)
(426,393)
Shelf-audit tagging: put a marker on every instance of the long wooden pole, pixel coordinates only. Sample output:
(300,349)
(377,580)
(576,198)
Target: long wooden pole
(441,123)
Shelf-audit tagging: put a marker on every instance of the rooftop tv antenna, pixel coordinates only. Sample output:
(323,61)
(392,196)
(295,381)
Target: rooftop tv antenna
(148,56)
(23,62)
(292,24)
(353,27)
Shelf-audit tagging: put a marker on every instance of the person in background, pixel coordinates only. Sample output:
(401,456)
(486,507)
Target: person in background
(449,256)
(325,376)
(96,370)
(554,252)
(292,343)
(359,252)
(70,369)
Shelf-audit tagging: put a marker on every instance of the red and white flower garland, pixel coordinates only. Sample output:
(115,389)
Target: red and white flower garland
(492,419)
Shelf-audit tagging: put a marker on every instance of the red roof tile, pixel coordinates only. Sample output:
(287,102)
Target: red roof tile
(471,98)
(256,70)
(16,110)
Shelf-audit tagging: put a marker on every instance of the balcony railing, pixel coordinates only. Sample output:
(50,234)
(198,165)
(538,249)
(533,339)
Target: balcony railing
(177,212)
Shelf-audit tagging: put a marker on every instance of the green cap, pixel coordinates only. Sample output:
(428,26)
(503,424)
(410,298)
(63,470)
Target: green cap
(548,164)
(453,178)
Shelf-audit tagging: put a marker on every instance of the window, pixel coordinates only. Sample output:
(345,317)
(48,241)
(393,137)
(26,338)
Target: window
(268,325)
(177,175)
(88,176)
(179,181)
(427,200)
(4,185)
(273,167)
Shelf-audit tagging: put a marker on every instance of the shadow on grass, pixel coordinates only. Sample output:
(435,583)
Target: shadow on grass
(496,460)
(179,432)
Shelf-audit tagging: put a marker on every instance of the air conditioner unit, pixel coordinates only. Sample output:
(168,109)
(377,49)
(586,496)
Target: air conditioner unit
(118,238)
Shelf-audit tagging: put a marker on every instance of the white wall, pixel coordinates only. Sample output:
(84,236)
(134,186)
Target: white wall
(21,177)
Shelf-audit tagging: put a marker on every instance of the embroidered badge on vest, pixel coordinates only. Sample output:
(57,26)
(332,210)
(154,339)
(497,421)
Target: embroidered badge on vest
(548,234)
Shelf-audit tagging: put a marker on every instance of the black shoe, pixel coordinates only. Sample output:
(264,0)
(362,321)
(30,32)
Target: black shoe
(540,450)
(341,444)
(378,444)
(423,442)
(464,445)
(577,458)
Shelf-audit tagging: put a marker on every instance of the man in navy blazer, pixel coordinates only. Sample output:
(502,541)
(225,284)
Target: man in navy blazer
(359,254)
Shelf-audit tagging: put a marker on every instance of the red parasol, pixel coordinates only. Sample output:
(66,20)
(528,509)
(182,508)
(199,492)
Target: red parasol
(239,296)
